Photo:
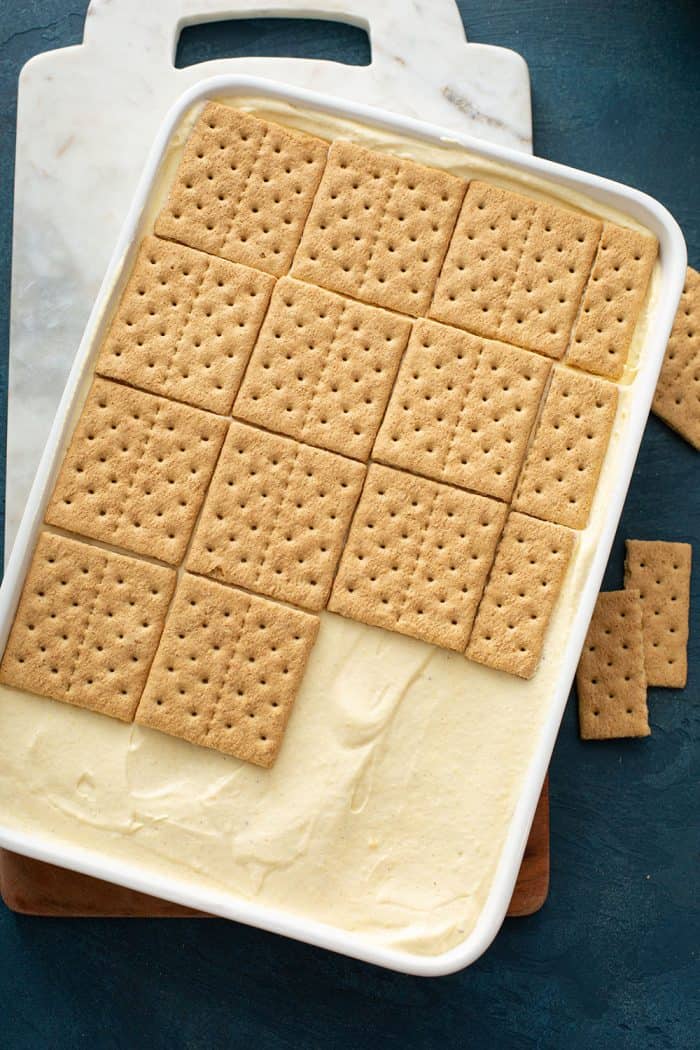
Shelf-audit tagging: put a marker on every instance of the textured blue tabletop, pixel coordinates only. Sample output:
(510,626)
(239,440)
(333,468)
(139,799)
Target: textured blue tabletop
(612,959)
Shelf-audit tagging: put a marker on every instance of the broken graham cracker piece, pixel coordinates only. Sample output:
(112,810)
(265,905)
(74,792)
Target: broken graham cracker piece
(462,409)
(243,189)
(660,571)
(610,680)
(227,670)
(531,561)
(186,325)
(562,465)
(323,368)
(516,269)
(87,626)
(417,557)
(136,471)
(379,228)
(612,301)
(677,397)
(276,516)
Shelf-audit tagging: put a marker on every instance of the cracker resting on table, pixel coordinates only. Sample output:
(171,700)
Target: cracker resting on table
(610,680)
(660,571)
(677,397)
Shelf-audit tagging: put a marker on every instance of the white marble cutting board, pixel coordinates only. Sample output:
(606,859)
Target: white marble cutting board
(86,117)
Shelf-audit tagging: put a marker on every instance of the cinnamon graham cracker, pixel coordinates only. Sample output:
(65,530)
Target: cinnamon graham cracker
(276,516)
(87,626)
(660,572)
(323,369)
(186,325)
(677,397)
(610,681)
(227,670)
(516,269)
(136,471)
(531,561)
(379,228)
(417,557)
(243,189)
(462,409)
(563,463)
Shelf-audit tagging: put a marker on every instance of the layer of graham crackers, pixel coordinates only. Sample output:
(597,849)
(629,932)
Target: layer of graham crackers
(523,586)
(417,557)
(186,325)
(288,284)
(276,516)
(227,670)
(462,409)
(379,228)
(516,269)
(87,626)
(136,471)
(560,474)
(243,189)
(323,368)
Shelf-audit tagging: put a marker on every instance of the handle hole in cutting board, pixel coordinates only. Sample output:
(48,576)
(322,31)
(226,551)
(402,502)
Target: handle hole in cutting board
(273,38)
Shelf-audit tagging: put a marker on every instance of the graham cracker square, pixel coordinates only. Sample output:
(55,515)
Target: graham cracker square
(462,409)
(516,269)
(87,626)
(565,457)
(136,471)
(677,397)
(417,557)
(379,228)
(527,575)
(610,681)
(612,301)
(323,368)
(243,189)
(275,517)
(186,325)
(227,670)
(660,572)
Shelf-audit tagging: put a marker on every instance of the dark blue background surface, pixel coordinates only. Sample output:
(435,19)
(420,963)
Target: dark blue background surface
(612,959)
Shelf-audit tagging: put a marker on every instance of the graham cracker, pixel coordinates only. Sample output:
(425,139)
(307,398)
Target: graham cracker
(323,368)
(136,471)
(87,626)
(677,397)
(462,409)
(612,301)
(379,228)
(516,269)
(610,681)
(565,457)
(227,670)
(417,557)
(531,561)
(186,325)
(661,573)
(243,189)
(275,516)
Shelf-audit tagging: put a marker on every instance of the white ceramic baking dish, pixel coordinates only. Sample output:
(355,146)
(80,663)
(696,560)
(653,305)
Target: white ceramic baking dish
(672,261)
